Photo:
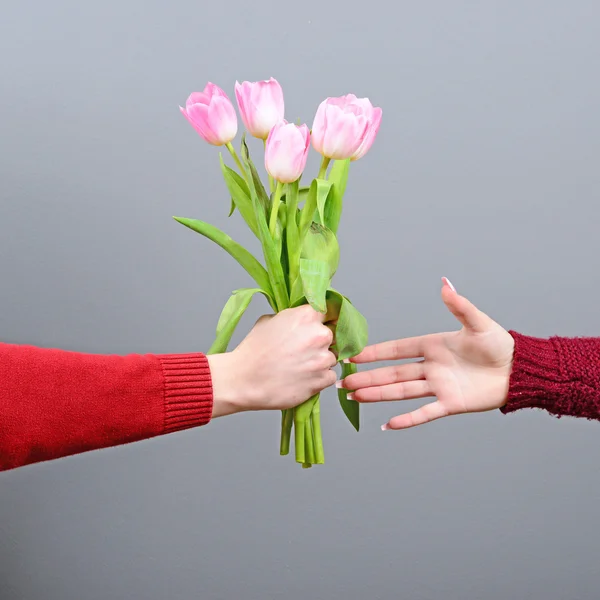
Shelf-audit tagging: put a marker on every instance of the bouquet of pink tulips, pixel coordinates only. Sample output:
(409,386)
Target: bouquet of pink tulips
(295,224)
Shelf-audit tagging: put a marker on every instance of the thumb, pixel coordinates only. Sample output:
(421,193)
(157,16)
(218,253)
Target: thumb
(468,314)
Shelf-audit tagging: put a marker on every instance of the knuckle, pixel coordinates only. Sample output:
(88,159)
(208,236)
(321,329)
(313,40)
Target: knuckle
(332,359)
(320,362)
(330,378)
(326,360)
(263,319)
(323,336)
(307,311)
(327,379)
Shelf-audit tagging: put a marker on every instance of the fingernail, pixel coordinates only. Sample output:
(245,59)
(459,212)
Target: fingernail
(385,427)
(448,283)
(350,396)
(347,361)
(339,384)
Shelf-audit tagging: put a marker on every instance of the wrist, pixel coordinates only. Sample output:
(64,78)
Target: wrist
(503,386)
(535,377)
(229,390)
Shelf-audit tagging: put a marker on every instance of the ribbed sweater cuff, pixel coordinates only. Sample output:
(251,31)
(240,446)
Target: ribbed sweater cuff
(188,391)
(535,381)
(560,375)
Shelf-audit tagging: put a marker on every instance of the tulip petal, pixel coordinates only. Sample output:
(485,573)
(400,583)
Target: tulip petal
(286,151)
(222,119)
(198,114)
(261,105)
(185,114)
(372,131)
(214,90)
(319,127)
(344,134)
(198,98)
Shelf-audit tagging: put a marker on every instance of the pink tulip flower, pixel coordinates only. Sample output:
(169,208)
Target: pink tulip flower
(261,105)
(372,129)
(286,151)
(342,125)
(212,115)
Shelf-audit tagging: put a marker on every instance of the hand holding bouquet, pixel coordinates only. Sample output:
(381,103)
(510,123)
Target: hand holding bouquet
(295,224)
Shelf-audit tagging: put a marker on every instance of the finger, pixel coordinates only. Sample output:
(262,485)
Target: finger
(425,414)
(384,376)
(323,335)
(331,378)
(328,316)
(393,350)
(407,390)
(331,361)
(328,379)
(331,327)
(307,312)
(467,313)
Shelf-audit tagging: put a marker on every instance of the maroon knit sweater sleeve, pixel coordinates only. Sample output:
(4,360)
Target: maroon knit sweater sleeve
(560,375)
(54,403)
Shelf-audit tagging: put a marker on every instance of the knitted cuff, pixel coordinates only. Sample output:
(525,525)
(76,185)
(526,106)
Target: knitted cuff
(535,381)
(188,391)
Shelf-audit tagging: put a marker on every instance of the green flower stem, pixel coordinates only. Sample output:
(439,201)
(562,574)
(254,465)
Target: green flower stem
(287,421)
(317,437)
(300,437)
(271,181)
(238,162)
(304,435)
(323,170)
(275,209)
(293,234)
(309,444)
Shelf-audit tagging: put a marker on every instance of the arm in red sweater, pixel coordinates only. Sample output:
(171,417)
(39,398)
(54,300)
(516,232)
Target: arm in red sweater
(55,403)
(560,375)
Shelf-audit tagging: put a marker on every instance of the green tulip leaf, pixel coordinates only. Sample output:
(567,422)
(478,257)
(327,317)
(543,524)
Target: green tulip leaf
(259,188)
(231,314)
(316,196)
(244,258)
(314,275)
(352,331)
(338,177)
(351,408)
(302,194)
(270,250)
(321,244)
(240,196)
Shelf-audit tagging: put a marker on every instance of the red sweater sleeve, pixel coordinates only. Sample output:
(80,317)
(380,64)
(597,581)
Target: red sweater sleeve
(560,375)
(54,403)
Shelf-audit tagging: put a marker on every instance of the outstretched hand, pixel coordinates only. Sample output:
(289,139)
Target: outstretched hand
(466,370)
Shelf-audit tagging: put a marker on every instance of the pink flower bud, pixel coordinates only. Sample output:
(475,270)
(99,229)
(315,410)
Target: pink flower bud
(286,151)
(212,115)
(342,125)
(261,105)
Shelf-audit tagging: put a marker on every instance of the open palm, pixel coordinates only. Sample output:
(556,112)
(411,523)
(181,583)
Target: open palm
(466,370)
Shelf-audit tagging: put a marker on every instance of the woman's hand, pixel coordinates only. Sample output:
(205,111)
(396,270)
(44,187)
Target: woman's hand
(282,362)
(466,370)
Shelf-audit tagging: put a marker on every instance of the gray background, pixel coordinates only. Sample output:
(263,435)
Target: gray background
(485,170)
